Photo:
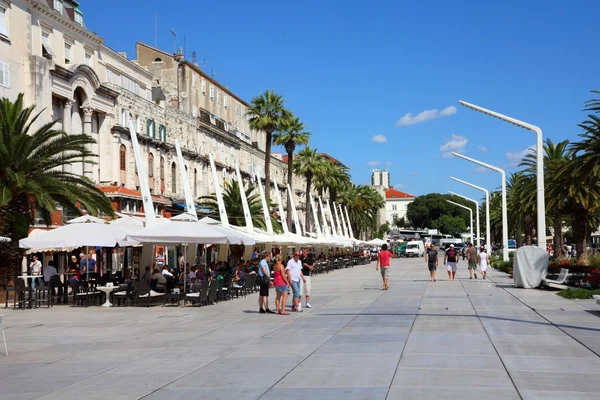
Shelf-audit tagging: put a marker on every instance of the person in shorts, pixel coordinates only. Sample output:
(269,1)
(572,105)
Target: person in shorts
(294,271)
(281,286)
(308,264)
(431,257)
(472,257)
(383,261)
(263,295)
(451,260)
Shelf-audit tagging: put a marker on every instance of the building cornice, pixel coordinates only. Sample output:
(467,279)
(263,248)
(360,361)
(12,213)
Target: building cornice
(50,13)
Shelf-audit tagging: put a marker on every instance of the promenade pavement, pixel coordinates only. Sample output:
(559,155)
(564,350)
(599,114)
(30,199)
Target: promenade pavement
(467,339)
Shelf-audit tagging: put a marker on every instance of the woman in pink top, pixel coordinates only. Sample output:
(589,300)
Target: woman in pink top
(383,261)
(281,286)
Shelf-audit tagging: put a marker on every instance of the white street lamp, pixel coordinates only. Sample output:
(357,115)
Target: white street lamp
(504,212)
(476,212)
(466,208)
(539,146)
(487,209)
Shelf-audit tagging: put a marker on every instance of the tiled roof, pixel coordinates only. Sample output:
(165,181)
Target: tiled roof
(392,193)
(118,190)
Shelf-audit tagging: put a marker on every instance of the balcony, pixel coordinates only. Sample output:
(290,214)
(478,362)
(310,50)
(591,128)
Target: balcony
(205,118)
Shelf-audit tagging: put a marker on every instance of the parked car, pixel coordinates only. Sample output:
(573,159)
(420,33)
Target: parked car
(416,248)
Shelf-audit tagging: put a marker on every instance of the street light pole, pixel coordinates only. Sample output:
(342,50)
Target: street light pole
(466,208)
(487,208)
(504,212)
(539,146)
(476,212)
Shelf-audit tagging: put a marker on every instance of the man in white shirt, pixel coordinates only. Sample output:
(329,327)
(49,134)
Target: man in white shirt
(166,272)
(294,273)
(36,269)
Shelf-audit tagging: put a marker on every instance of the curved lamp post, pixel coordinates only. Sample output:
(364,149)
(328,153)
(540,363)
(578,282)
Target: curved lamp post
(466,208)
(476,212)
(504,212)
(487,208)
(539,146)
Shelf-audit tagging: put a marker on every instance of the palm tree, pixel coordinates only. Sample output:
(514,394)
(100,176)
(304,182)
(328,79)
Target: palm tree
(233,205)
(292,135)
(363,203)
(308,163)
(268,113)
(32,177)
(556,157)
(333,177)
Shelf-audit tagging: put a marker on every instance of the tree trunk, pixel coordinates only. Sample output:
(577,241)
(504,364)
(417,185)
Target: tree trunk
(15,219)
(268,165)
(290,177)
(558,235)
(306,208)
(580,233)
(518,232)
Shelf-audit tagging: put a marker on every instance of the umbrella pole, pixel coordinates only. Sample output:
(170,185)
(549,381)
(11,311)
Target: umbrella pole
(184,264)
(87,263)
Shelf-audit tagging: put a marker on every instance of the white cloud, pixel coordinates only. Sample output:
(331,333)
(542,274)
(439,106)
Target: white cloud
(423,116)
(515,158)
(481,170)
(388,163)
(399,186)
(456,143)
(373,163)
(379,139)
(483,149)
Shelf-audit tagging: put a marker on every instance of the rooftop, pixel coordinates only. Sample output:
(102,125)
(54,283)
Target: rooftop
(392,193)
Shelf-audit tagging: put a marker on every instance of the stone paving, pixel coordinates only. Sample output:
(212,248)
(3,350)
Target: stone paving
(467,339)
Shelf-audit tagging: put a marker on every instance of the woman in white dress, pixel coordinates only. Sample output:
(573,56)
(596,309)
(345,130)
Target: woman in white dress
(483,259)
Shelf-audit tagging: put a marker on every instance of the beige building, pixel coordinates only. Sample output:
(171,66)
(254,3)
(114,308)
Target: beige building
(47,53)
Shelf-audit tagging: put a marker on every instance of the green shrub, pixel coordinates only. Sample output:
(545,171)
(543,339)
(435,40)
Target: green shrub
(580,294)
(504,266)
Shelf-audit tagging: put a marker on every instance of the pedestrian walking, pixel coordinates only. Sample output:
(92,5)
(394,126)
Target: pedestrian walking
(294,272)
(281,286)
(308,264)
(451,261)
(383,261)
(432,260)
(263,294)
(484,262)
(473,260)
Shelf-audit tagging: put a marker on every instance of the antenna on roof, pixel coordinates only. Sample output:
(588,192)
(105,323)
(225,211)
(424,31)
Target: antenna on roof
(184,45)
(174,40)
(193,58)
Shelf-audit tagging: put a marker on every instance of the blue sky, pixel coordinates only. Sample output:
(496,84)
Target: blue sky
(353,70)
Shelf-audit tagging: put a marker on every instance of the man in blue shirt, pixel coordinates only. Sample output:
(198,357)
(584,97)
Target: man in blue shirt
(89,262)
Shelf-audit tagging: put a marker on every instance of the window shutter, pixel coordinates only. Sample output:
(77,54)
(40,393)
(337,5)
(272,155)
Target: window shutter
(226,101)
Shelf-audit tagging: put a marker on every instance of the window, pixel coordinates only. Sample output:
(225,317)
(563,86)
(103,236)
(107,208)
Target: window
(58,6)
(225,101)
(195,182)
(129,84)
(394,208)
(46,49)
(108,75)
(204,87)
(88,59)
(4,75)
(123,157)
(173,178)
(212,92)
(150,128)
(124,120)
(67,53)
(193,80)
(3,26)
(78,17)
(162,133)
(150,165)
(162,168)
(218,97)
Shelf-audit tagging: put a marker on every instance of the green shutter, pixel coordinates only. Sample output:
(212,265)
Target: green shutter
(148,127)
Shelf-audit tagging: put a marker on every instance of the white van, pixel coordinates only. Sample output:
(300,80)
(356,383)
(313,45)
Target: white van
(415,248)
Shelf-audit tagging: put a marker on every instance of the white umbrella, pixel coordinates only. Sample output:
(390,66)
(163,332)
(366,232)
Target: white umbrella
(178,232)
(76,235)
(4,239)
(377,242)
(86,219)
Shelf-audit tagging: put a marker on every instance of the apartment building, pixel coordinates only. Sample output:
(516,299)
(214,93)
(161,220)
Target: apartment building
(47,53)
